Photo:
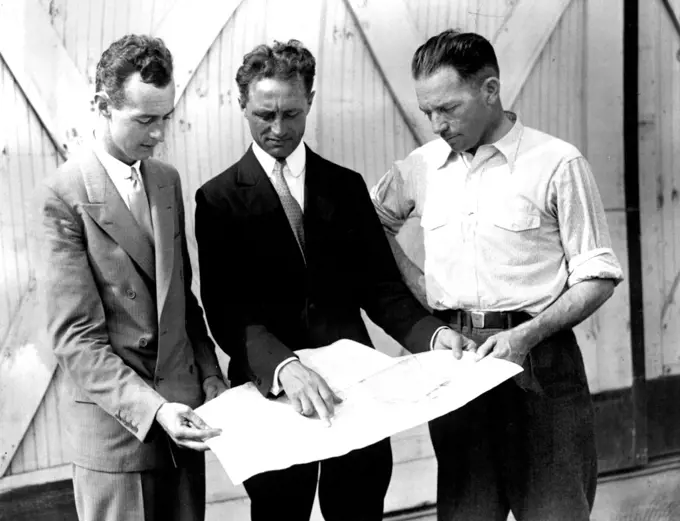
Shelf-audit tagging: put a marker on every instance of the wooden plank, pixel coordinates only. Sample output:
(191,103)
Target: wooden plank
(56,89)
(37,477)
(520,41)
(379,22)
(189,30)
(26,369)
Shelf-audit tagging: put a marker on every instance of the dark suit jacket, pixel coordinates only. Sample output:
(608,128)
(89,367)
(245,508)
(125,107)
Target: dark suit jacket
(120,314)
(263,302)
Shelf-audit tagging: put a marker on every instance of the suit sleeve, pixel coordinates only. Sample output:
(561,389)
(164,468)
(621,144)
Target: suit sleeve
(204,349)
(231,308)
(383,294)
(76,322)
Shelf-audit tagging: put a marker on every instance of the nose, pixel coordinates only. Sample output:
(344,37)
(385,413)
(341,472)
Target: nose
(157,132)
(277,126)
(439,123)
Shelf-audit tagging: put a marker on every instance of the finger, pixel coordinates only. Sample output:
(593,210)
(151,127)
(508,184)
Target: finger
(194,445)
(486,348)
(307,407)
(328,396)
(195,420)
(321,408)
(184,434)
(297,405)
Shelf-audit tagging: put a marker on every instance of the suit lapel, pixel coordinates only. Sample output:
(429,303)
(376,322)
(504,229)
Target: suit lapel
(110,212)
(161,192)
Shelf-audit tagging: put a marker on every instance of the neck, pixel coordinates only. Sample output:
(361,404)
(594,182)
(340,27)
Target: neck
(498,127)
(103,136)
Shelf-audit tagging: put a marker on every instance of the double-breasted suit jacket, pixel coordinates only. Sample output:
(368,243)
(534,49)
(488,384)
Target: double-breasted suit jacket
(264,299)
(120,314)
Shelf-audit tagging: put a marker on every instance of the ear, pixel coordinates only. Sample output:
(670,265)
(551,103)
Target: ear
(491,89)
(310,99)
(103,103)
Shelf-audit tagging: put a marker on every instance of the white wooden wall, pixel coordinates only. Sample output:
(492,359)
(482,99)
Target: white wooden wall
(659,128)
(574,92)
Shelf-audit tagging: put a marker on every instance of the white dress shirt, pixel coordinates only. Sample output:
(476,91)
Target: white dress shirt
(295,179)
(118,172)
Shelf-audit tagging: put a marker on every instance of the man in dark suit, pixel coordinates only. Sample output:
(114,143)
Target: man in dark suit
(124,325)
(290,251)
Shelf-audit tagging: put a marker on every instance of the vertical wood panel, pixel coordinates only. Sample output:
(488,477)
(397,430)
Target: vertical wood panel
(575,93)
(659,112)
(481,16)
(26,156)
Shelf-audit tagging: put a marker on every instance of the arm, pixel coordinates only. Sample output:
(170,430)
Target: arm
(412,275)
(76,322)
(384,296)
(231,308)
(204,349)
(393,199)
(593,268)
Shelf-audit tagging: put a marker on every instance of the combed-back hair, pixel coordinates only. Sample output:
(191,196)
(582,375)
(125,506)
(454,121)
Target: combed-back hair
(133,53)
(471,55)
(283,61)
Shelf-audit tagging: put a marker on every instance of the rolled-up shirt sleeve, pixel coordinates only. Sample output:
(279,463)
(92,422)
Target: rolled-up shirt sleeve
(393,199)
(583,226)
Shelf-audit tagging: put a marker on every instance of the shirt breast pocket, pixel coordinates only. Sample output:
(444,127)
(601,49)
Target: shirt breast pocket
(441,237)
(514,235)
(516,220)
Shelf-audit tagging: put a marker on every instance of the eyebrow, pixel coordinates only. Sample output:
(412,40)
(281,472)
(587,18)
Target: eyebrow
(144,115)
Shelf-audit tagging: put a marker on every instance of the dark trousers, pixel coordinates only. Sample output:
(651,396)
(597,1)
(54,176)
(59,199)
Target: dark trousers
(527,446)
(351,487)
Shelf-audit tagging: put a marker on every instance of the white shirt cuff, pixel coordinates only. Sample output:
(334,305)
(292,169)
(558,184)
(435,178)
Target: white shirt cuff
(276,385)
(435,336)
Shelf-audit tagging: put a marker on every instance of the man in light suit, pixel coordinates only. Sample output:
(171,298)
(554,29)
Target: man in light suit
(124,325)
(291,250)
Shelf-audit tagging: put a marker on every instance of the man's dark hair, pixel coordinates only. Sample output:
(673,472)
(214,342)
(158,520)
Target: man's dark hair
(471,55)
(133,53)
(283,61)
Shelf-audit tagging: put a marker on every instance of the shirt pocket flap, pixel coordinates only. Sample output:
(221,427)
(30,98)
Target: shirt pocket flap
(432,220)
(516,220)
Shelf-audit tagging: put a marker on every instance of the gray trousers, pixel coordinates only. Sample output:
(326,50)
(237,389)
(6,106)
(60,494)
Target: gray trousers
(174,494)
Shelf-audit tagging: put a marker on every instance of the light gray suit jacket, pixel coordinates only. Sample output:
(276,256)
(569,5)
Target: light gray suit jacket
(120,314)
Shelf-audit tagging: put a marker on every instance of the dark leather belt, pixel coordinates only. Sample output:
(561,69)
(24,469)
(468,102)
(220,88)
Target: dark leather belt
(482,319)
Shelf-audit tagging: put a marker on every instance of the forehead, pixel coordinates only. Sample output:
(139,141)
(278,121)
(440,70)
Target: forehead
(147,98)
(271,93)
(444,83)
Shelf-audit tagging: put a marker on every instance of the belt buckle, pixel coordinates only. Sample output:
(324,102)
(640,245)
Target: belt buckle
(477,319)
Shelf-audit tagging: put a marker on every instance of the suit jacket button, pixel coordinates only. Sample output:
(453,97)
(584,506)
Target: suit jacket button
(131,294)
(142,342)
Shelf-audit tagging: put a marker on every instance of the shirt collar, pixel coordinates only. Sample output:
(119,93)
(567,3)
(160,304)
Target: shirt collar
(114,167)
(508,145)
(296,160)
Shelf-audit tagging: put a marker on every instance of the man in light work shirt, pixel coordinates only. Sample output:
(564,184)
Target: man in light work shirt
(517,252)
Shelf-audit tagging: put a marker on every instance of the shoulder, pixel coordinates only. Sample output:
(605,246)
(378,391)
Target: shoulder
(166,170)
(427,157)
(335,174)
(219,187)
(548,147)
(66,181)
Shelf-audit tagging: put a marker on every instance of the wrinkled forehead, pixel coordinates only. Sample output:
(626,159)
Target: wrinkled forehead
(278,93)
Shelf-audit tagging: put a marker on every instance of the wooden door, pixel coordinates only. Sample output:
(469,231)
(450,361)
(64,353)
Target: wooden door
(561,69)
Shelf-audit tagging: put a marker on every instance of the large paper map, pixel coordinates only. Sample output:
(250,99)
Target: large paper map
(381,396)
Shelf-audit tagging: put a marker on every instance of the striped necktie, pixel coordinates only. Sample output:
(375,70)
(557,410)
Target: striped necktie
(139,204)
(290,205)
